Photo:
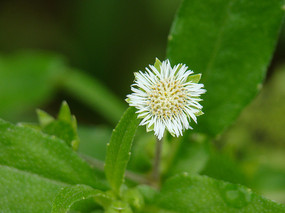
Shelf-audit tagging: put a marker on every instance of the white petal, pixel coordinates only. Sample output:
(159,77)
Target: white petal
(148,94)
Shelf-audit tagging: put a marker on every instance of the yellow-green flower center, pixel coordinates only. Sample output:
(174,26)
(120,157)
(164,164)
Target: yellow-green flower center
(167,98)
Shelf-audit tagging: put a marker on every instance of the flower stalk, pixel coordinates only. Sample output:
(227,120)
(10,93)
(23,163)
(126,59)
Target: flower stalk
(156,162)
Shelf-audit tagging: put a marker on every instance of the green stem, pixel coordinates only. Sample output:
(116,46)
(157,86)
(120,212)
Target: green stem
(95,163)
(171,155)
(156,163)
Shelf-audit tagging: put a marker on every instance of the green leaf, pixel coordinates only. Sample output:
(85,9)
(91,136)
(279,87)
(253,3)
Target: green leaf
(184,193)
(64,131)
(118,150)
(64,127)
(24,192)
(231,43)
(94,94)
(27,79)
(71,194)
(30,150)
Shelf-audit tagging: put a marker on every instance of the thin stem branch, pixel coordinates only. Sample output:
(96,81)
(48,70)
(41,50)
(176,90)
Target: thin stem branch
(156,162)
(95,163)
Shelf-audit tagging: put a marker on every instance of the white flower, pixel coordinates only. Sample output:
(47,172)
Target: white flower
(166,98)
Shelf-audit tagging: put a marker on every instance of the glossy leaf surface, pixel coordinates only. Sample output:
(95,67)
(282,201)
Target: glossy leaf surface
(231,43)
(118,150)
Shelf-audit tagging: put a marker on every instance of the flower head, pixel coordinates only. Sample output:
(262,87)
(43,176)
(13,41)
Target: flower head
(166,98)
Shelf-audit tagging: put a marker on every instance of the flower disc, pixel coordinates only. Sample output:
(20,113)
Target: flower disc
(166,98)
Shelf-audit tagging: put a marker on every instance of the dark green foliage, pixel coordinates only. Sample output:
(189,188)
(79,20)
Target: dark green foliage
(69,195)
(185,193)
(28,79)
(30,150)
(231,43)
(25,192)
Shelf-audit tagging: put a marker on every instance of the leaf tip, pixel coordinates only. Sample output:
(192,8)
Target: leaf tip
(64,112)
(44,118)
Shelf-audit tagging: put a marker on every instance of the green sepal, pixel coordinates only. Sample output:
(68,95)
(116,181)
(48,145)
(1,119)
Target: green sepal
(148,129)
(74,122)
(194,78)
(199,113)
(157,64)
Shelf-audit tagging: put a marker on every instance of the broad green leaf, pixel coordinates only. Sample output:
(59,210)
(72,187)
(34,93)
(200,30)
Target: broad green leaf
(231,43)
(64,127)
(94,94)
(27,79)
(72,194)
(118,150)
(184,193)
(257,140)
(24,192)
(30,150)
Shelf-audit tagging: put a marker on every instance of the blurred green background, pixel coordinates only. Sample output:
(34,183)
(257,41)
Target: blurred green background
(109,40)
